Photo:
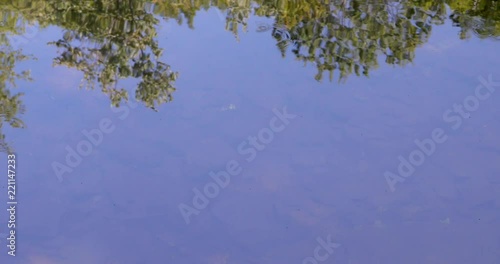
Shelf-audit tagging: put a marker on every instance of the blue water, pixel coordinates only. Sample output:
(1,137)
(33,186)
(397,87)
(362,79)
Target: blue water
(321,177)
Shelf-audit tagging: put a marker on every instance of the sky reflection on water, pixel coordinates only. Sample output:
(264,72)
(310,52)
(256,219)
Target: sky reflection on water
(323,175)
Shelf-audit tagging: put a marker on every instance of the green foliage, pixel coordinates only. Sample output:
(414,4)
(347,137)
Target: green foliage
(480,17)
(112,40)
(11,106)
(347,36)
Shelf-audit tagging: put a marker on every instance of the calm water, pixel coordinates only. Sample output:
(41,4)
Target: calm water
(257,159)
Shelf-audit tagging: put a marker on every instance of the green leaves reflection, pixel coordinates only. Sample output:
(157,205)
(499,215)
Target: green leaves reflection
(11,106)
(112,40)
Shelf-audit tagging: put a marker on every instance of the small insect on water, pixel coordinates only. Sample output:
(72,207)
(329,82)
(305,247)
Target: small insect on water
(263,27)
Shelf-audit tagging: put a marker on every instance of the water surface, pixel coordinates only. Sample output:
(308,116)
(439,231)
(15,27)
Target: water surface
(182,86)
